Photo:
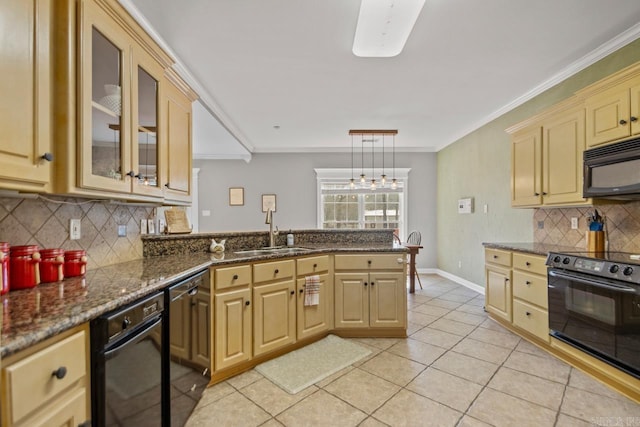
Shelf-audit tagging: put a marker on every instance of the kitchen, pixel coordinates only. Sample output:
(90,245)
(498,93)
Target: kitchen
(458,237)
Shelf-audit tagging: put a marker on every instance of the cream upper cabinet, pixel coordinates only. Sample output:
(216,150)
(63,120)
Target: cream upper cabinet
(546,158)
(613,107)
(25,112)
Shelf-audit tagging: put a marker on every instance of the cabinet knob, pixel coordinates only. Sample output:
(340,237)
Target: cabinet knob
(276,271)
(373,283)
(527,282)
(634,119)
(495,257)
(167,185)
(138,175)
(131,174)
(247,303)
(235,277)
(527,263)
(369,262)
(47,156)
(506,280)
(623,122)
(59,373)
(536,194)
(544,193)
(293,292)
(301,291)
(315,266)
(365,283)
(527,313)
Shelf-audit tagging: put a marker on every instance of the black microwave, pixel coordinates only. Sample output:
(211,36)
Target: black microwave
(613,171)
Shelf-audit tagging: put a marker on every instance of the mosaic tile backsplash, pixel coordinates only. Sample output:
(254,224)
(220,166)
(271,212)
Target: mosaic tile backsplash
(45,222)
(622,225)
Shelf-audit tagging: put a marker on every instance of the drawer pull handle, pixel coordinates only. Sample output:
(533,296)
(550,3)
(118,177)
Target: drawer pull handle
(276,271)
(527,263)
(235,277)
(365,283)
(623,122)
(527,313)
(527,282)
(495,257)
(293,292)
(59,373)
(247,303)
(315,266)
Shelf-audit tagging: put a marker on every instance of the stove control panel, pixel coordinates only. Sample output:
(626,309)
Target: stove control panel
(595,266)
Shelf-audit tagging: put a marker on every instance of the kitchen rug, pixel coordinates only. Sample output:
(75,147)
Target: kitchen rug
(301,368)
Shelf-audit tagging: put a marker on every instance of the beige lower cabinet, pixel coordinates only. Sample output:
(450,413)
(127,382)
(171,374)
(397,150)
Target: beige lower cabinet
(233,314)
(372,298)
(48,384)
(314,319)
(274,310)
(498,283)
(190,327)
(530,302)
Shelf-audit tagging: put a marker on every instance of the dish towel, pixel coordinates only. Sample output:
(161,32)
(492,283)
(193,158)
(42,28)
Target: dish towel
(312,290)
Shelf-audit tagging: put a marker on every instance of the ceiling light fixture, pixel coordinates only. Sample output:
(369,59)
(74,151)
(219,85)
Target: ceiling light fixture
(371,137)
(384,27)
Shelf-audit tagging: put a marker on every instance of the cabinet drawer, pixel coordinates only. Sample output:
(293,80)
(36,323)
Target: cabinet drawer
(312,265)
(30,382)
(497,256)
(531,288)
(531,263)
(232,276)
(532,319)
(273,271)
(370,262)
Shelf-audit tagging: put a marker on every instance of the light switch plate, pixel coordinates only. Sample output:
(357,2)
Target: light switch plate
(74,229)
(574,223)
(122,231)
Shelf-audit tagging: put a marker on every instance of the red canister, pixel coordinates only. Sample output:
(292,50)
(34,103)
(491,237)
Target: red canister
(75,263)
(23,267)
(51,265)
(4,268)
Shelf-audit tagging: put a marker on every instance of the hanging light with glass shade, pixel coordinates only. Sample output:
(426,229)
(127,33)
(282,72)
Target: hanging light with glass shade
(394,183)
(352,183)
(383,177)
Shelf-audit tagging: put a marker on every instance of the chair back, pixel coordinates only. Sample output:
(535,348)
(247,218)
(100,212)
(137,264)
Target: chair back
(414,238)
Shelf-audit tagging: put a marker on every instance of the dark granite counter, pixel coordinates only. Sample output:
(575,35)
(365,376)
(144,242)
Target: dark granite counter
(33,315)
(531,248)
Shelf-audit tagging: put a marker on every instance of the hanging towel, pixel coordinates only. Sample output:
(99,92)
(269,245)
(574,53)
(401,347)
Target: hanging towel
(312,290)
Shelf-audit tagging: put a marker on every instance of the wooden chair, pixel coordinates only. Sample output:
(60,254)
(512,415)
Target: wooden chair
(414,239)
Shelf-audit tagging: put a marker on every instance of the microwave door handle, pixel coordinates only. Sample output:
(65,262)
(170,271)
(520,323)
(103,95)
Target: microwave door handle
(588,281)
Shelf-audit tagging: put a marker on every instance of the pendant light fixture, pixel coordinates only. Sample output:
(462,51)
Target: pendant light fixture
(383,177)
(373,161)
(352,183)
(394,183)
(373,133)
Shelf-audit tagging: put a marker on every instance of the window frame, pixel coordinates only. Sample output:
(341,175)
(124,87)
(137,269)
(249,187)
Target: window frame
(326,175)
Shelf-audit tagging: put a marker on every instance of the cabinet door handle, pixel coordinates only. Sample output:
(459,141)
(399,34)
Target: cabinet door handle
(495,257)
(527,313)
(138,175)
(536,194)
(276,271)
(527,282)
(634,119)
(527,263)
(506,280)
(47,156)
(235,277)
(623,122)
(301,291)
(544,193)
(167,185)
(369,261)
(315,266)
(130,174)
(59,373)
(365,283)
(373,283)
(247,303)
(293,292)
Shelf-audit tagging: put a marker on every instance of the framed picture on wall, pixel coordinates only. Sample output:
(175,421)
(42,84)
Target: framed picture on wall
(268,202)
(236,196)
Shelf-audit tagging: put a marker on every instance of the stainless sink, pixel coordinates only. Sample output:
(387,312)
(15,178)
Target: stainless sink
(275,250)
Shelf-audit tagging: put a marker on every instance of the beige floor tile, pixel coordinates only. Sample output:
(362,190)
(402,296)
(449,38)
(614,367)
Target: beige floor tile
(228,411)
(470,368)
(416,298)
(393,368)
(363,390)
(502,339)
(321,409)
(410,409)
(493,325)
(245,379)
(500,409)
(452,326)
(461,316)
(463,290)
(371,422)
(598,409)
(472,309)
(482,350)
(525,346)
(468,421)
(272,398)
(432,310)
(420,318)
(451,305)
(215,393)
(541,366)
(528,387)
(374,352)
(447,389)
(437,337)
(412,328)
(331,378)
(417,351)
(381,343)
(567,421)
(578,379)
(454,297)
(478,301)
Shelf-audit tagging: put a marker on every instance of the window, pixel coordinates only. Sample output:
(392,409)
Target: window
(343,207)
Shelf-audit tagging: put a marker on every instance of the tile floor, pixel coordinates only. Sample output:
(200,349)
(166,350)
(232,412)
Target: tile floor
(456,368)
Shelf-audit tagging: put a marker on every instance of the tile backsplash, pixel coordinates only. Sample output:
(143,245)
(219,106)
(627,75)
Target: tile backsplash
(45,222)
(622,224)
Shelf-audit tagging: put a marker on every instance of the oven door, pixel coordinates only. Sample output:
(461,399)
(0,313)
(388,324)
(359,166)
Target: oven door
(597,315)
(129,372)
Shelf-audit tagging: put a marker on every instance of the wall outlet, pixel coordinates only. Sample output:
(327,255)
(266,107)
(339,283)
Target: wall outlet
(206,213)
(459,264)
(574,223)
(122,231)
(486,208)
(540,225)
(74,229)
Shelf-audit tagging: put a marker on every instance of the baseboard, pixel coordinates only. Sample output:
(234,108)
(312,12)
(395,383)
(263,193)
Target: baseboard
(453,278)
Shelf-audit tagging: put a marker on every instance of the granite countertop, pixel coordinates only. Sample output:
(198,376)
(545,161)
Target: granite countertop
(33,315)
(529,247)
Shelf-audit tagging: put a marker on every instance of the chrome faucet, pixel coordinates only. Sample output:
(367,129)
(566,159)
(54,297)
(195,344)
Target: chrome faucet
(272,234)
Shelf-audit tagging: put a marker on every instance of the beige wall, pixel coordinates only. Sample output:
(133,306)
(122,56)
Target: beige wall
(478,166)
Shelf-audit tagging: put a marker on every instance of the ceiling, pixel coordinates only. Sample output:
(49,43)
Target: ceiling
(262,64)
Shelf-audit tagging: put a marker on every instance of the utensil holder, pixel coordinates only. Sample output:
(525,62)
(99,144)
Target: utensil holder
(595,241)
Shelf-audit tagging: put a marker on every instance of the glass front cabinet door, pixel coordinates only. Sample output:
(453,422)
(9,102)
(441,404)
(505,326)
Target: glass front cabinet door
(119,92)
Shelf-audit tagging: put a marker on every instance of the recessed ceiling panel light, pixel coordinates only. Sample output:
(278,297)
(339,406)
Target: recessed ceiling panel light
(384,26)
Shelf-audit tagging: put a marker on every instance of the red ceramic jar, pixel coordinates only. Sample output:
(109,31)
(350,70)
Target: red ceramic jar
(75,263)
(4,268)
(23,267)
(51,265)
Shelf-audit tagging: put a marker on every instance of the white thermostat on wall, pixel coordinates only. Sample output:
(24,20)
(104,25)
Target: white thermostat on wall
(465,206)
